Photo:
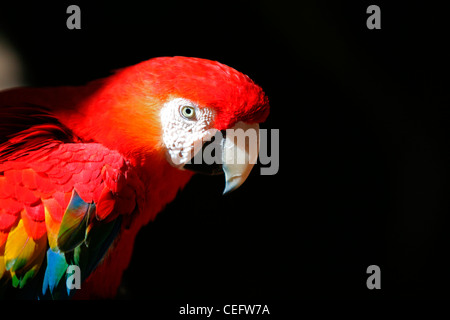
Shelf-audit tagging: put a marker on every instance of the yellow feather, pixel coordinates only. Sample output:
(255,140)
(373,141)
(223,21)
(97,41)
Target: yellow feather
(21,250)
(3,272)
(2,264)
(21,277)
(52,230)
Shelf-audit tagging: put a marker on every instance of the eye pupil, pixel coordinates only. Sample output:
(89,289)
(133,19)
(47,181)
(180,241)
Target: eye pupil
(188,112)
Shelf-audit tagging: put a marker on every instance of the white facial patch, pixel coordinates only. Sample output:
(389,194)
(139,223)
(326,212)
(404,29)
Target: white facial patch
(184,137)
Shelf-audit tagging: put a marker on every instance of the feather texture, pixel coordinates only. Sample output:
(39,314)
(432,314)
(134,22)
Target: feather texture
(48,196)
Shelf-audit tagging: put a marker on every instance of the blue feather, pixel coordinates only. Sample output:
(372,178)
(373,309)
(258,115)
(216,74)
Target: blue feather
(56,269)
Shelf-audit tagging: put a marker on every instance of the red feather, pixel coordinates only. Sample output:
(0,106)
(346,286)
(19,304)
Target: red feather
(106,204)
(7,221)
(33,221)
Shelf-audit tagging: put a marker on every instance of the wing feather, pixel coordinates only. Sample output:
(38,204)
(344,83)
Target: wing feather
(59,197)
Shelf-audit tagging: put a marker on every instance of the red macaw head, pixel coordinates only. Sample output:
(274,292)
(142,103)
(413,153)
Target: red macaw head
(173,105)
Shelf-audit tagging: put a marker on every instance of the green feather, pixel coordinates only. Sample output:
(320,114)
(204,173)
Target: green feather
(100,238)
(72,231)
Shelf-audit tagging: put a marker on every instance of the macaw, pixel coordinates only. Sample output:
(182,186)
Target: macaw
(82,169)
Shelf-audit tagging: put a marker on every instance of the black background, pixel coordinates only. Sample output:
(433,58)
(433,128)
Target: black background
(364,146)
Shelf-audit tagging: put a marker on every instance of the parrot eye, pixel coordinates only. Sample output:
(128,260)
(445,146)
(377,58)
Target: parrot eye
(188,112)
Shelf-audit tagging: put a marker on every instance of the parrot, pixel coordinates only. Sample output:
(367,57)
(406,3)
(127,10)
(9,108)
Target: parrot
(84,168)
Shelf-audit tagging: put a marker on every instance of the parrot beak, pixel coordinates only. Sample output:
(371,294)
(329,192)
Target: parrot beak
(239,154)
